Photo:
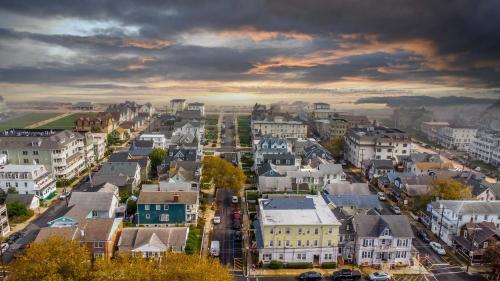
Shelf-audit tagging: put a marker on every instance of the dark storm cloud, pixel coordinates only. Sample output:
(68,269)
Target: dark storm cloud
(464,34)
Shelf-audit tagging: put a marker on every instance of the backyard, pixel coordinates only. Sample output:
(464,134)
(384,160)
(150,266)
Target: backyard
(244,130)
(26,119)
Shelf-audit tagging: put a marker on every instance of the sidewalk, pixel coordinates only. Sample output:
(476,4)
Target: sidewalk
(208,216)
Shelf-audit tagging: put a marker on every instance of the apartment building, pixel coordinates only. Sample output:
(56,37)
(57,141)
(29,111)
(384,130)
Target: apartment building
(430,129)
(28,179)
(484,145)
(296,229)
(177,105)
(197,106)
(458,138)
(448,216)
(99,142)
(337,126)
(382,240)
(58,150)
(86,147)
(279,127)
(4,220)
(370,143)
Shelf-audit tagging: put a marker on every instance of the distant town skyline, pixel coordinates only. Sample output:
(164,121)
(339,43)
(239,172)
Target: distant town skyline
(247,51)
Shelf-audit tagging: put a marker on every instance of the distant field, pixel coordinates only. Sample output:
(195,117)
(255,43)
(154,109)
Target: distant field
(67,122)
(211,119)
(26,120)
(211,127)
(244,130)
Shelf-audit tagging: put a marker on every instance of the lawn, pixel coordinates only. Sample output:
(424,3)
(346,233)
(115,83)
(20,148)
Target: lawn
(193,243)
(211,127)
(26,120)
(67,122)
(212,120)
(244,130)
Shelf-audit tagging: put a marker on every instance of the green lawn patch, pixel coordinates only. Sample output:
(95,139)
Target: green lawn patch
(67,122)
(26,120)
(193,243)
(244,131)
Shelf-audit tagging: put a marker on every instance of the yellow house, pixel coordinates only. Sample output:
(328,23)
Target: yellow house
(296,229)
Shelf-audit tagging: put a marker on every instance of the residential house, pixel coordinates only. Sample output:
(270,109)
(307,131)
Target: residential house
(380,167)
(279,127)
(474,239)
(152,242)
(103,123)
(430,129)
(29,201)
(125,156)
(177,105)
(141,148)
(159,140)
(458,138)
(316,153)
(119,173)
(347,188)
(4,220)
(58,150)
(86,147)
(285,178)
(197,106)
(281,160)
(448,216)
(164,208)
(147,109)
(382,240)
(183,172)
(296,229)
(87,205)
(268,145)
(120,133)
(99,235)
(100,143)
(375,143)
(353,204)
(28,179)
(484,191)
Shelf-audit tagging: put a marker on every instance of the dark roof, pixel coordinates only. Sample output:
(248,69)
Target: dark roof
(121,156)
(479,232)
(372,226)
(143,144)
(382,164)
(360,201)
(161,197)
(289,203)
(24,199)
(281,156)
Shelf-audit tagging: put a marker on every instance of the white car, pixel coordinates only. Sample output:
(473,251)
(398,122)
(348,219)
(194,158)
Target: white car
(381,196)
(234,199)
(216,219)
(436,247)
(379,276)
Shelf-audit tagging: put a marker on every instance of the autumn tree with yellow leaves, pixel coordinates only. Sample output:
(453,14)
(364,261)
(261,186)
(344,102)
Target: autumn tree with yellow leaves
(60,259)
(449,189)
(222,173)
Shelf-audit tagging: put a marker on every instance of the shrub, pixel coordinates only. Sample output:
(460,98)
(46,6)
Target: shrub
(299,265)
(275,265)
(329,265)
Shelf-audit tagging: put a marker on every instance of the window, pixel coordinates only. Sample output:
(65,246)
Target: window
(280,256)
(328,256)
(329,243)
(367,242)
(299,243)
(405,144)
(165,206)
(279,243)
(99,244)
(164,217)
(301,256)
(287,231)
(287,243)
(315,243)
(330,230)
(266,257)
(271,243)
(379,150)
(316,231)
(300,230)
(35,152)
(279,230)
(404,151)
(307,243)
(146,207)
(148,216)
(25,152)
(271,231)
(158,207)
(26,161)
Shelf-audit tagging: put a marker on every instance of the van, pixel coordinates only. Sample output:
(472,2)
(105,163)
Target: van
(215,248)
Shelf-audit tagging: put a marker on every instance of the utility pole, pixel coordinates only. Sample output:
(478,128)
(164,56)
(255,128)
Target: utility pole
(441,223)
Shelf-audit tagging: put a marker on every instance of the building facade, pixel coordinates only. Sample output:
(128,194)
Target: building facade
(197,106)
(484,145)
(296,229)
(430,129)
(279,127)
(58,150)
(4,220)
(177,105)
(28,179)
(164,208)
(458,138)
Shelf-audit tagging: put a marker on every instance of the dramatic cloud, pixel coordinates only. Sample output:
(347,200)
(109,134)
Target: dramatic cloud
(278,45)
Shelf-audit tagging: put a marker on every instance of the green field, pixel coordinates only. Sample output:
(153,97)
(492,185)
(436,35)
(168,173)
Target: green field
(244,130)
(212,120)
(67,122)
(26,120)
(211,127)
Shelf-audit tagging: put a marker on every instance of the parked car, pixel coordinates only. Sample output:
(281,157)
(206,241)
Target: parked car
(381,196)
(234,199)
(395,209)
(215,248)
(217,219)
(346,275)
(237,215)
(4,247)
(236,224)
(310,276)
(237,235)
(437,248)
(423,235)
(379,276)
(13,237)
(65,195)
(343,162)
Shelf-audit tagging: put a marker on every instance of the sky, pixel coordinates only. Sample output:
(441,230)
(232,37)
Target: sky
(232,51)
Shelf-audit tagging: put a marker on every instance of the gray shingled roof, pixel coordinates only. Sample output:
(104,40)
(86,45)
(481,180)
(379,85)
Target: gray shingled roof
(346,188)
(372,226)
(170,237)
(161,197)
(119,168)
(290,203)
(360,201)
(24,199)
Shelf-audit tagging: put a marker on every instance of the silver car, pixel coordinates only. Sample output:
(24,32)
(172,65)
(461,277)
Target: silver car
(379,276)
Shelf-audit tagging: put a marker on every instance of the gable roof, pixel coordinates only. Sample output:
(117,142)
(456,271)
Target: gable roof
(98,229)
(163,197)
(24,199)
(82,203)
(359,201)
(346,188)
(470,206)
(382,164)
(132,238)
(372,226)
(119,168)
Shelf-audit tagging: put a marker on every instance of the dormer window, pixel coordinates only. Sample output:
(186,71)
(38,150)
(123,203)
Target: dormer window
(387,232)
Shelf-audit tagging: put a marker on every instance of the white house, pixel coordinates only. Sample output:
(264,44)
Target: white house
(484,145)
(458,138)
(430,129)
(177,105)
(100,142)
(268,145)
(28,179)
(375,143)
(448,216)
(152,241)
(382,240)
(159,140)
(197,106)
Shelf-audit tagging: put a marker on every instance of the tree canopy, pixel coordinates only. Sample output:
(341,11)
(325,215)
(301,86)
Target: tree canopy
(156,156)
(59,259)
(335,146)
(449,189)
(222,173)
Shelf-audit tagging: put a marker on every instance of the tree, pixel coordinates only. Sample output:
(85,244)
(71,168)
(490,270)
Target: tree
(16,209)
(492,256)
(222,173)
(449,189)
(54,259)
(156,156)
(335,146)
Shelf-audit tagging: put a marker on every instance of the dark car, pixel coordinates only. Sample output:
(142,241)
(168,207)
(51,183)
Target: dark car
(346,275)
(237,235)
(310,276)
(236,224)
(13,237)
(423,235)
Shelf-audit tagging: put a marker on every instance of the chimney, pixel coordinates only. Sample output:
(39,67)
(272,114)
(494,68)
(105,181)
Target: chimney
(176,198)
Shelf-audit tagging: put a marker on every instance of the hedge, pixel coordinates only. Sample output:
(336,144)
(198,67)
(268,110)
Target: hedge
(275,265)
(299,265)
(329,265)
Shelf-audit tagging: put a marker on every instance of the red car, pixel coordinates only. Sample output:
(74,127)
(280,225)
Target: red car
(236,215)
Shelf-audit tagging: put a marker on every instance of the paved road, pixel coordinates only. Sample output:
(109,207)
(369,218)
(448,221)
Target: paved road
(228,141)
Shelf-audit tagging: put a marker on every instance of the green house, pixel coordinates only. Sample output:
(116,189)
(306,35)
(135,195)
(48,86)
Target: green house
(163,208)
